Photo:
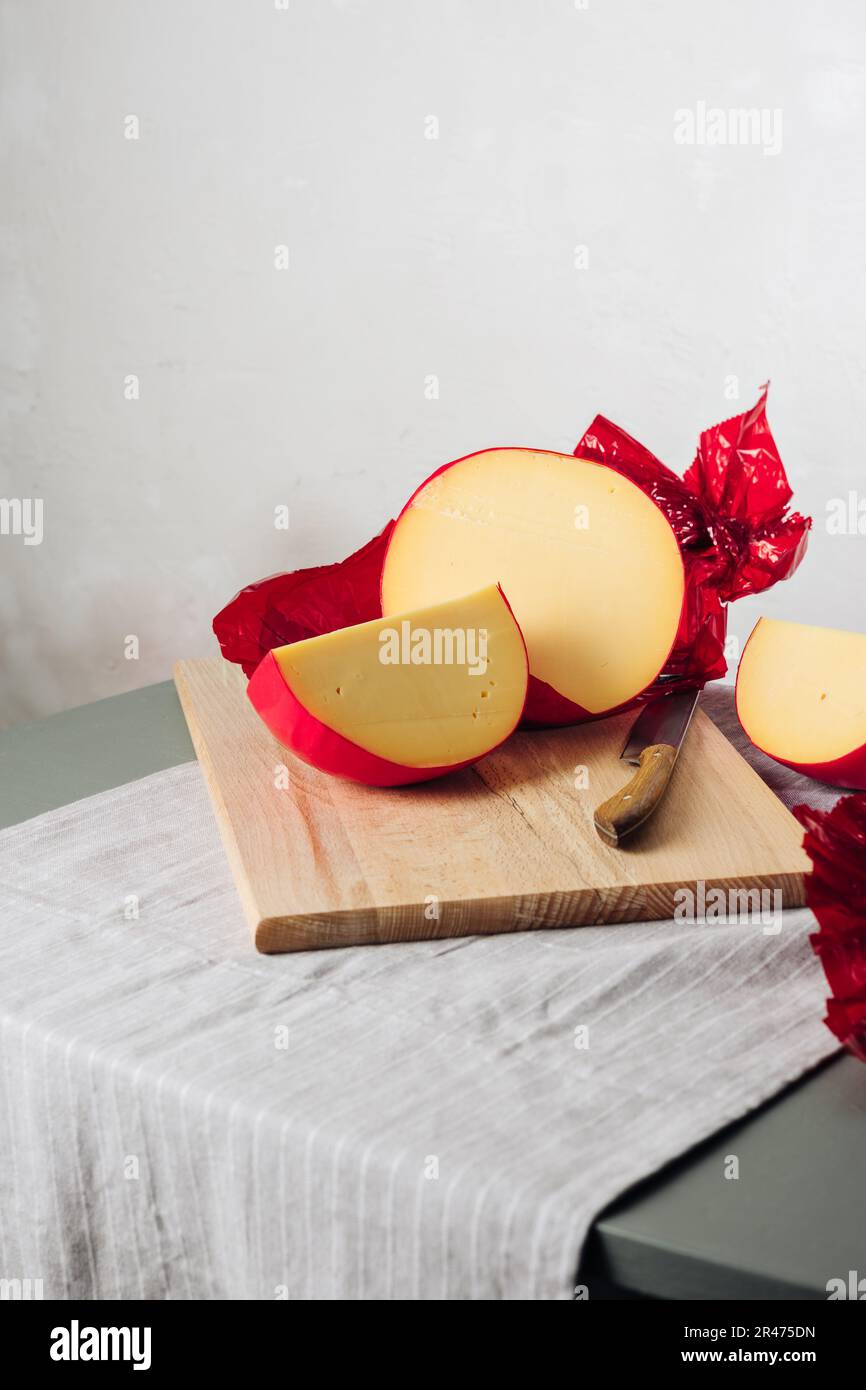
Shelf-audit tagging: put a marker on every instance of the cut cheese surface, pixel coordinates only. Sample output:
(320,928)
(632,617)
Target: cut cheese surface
(428,688)
(801,691)
(591,566)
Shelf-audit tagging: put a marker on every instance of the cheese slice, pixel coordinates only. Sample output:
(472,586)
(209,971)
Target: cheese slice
(431,688)
(590,564)
(801,692)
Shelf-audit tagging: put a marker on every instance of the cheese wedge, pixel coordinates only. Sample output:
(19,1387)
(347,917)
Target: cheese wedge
(590,564)
(400,699)
(801,698)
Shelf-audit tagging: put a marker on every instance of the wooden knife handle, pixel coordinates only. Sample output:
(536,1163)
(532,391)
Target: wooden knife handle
(627,809)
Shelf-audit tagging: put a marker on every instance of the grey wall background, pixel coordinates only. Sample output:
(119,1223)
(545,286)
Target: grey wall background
(409,257)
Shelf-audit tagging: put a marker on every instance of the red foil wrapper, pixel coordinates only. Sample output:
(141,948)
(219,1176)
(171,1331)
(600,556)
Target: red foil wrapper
(729,513)
(836,892)
(289,607)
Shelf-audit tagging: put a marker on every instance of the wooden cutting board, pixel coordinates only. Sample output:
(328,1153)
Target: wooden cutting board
(504,846)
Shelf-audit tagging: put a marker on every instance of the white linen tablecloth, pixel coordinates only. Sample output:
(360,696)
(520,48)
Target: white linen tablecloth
(181,1118)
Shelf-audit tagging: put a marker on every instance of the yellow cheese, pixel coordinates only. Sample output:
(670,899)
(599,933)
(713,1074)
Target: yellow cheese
(590,565)
(428,688)
(801,691)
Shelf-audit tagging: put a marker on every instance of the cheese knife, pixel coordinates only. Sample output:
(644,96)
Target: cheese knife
(653,744)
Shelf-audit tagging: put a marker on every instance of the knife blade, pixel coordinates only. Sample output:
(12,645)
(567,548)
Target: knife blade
(652,746)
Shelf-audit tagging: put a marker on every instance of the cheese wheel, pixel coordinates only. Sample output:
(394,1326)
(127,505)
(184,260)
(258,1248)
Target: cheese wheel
(590,564)
(399,699)
(801,698)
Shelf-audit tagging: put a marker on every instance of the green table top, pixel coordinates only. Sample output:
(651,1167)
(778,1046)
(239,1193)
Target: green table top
(794,1218)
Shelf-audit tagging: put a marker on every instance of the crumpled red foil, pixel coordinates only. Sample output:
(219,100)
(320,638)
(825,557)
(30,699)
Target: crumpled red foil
(836,892)
(289,607)
(729,513)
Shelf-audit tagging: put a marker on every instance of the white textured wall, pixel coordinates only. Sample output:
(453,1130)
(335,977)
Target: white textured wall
(408,257)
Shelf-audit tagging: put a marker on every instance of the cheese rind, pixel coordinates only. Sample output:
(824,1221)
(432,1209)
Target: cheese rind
(399,699)
(591,565)
(801,698)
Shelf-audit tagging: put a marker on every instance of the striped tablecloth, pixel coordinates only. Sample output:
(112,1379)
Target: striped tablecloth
(182,1118)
